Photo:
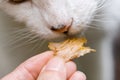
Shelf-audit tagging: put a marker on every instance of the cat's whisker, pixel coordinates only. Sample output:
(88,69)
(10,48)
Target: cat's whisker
(102,4)
(17,30)
(42,43)
(38,44)
(102,20)
(19,38)
(100,15)
(22,36)
(23,43)
(34,39)
(95,27)
(25,39)
(19,45)
(22,31)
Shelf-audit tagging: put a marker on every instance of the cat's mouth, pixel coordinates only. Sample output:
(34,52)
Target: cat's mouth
(61,29)
(66,36)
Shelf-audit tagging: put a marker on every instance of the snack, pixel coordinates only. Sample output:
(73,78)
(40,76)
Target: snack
(71,48)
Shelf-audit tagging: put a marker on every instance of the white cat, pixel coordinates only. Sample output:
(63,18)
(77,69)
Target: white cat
(50,19)
(43,16)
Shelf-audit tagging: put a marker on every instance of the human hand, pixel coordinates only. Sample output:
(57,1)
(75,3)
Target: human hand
(46,67)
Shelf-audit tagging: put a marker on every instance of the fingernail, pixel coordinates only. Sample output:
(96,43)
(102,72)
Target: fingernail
(55,64)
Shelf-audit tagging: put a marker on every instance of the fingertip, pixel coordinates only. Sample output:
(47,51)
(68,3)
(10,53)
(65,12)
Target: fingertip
(78,75)
(56,67)
(56,63)
(50,75)
(45,55)
(70,68)
(35,64)
(30,69)
(49,53)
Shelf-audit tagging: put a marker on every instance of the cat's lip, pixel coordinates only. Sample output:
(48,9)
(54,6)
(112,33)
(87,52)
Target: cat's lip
(64,29)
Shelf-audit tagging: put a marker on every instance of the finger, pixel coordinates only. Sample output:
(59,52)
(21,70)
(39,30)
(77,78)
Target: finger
(55,69)
(78,76)
(70,68)
(30,69)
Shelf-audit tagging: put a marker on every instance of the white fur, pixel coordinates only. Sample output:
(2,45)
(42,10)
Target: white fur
(40,15)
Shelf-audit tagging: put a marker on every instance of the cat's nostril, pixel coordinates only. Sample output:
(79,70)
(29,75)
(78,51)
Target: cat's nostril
(66,32)
(61,28)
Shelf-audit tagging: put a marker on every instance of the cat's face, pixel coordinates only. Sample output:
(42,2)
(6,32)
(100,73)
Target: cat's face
(52,18)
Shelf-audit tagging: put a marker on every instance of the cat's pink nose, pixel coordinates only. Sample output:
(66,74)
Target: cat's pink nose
(61,28)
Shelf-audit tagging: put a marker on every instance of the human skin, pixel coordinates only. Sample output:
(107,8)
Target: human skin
(45,66)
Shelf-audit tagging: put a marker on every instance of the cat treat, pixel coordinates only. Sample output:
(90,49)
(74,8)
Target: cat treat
(70,48)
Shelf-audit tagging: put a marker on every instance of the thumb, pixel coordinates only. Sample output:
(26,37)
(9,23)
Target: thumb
(54,70)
